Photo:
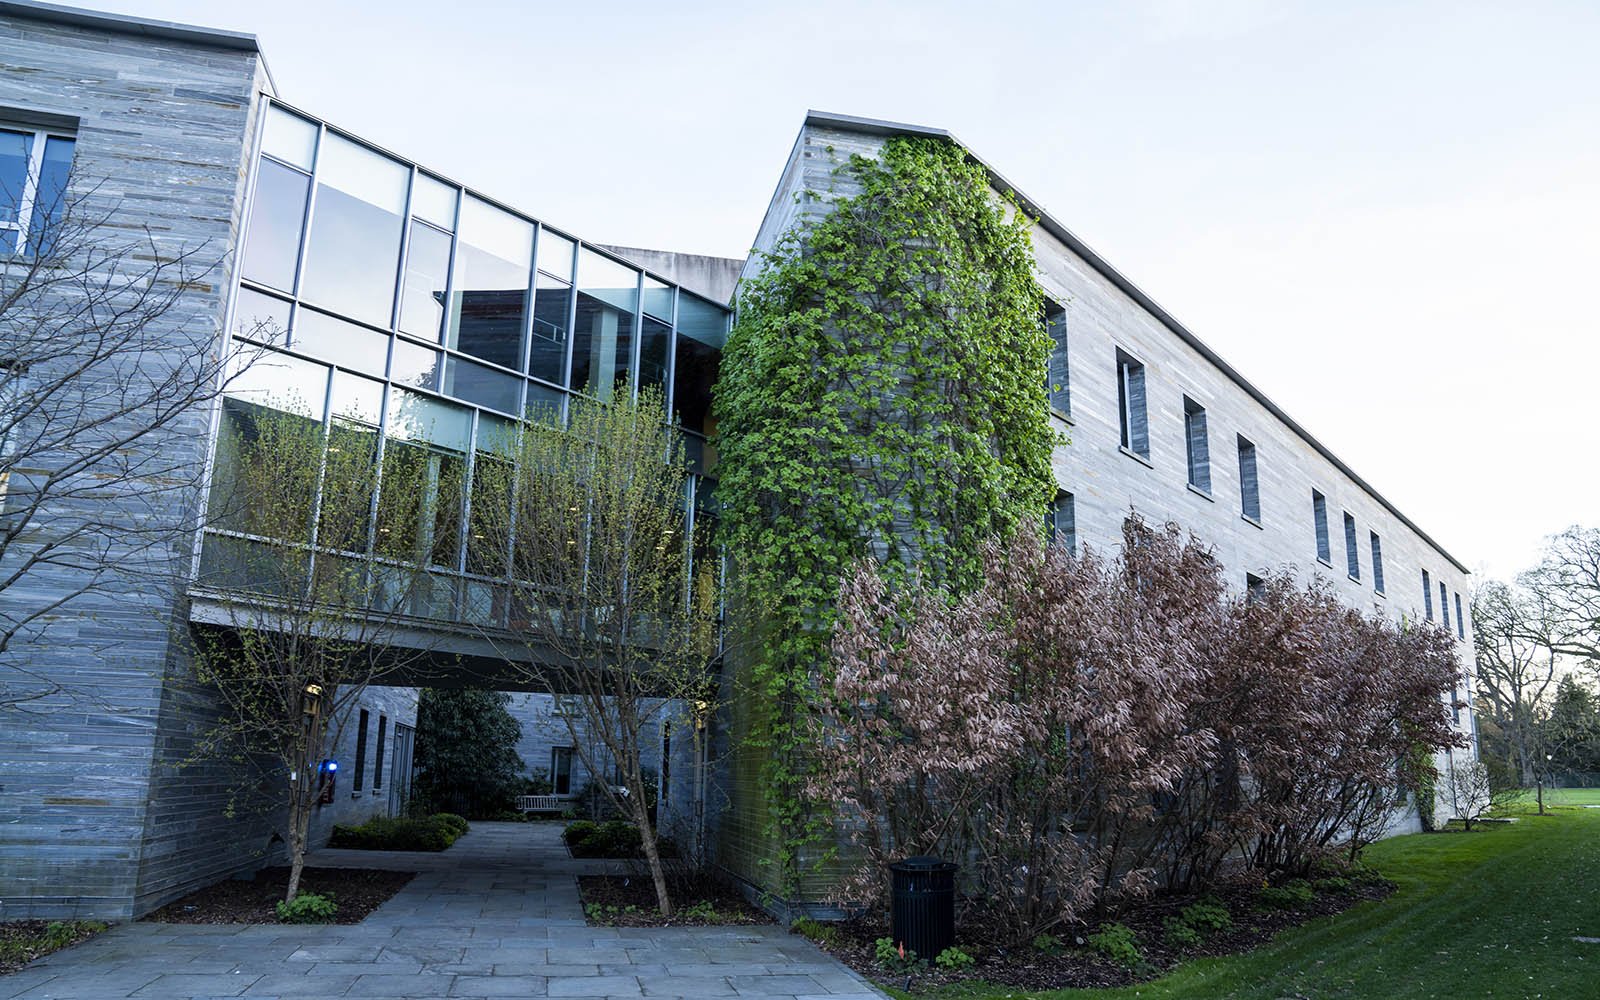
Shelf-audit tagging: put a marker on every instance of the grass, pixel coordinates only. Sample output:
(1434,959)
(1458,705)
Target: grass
(1490,913)
(22,941)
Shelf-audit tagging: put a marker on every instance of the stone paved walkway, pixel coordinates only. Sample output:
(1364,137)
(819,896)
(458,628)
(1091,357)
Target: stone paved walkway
(495,916)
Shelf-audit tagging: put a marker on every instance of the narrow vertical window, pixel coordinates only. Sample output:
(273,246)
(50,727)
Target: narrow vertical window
(1427,595)
(1255,588)
(361,751)
(1062,523)
(1444,606)
(1057,381)
(1461,620)
(1249,487)
(377,756)
(1377,563)
(561,770)
(1352,558)
(1319,514)
(666,761)
(1196,444)
(1131,404)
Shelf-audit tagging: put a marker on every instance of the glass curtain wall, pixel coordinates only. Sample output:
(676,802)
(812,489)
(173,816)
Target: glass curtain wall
(408,321)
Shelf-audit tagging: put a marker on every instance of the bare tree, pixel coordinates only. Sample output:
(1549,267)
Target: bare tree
(1472,795)
(588,521)
(1567,583)
(109,347)
(318,568)
(1515,669)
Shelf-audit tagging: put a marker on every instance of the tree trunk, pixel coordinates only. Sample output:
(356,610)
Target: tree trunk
(652,850)
(299,816)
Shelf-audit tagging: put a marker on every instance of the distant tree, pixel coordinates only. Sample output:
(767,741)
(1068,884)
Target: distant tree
(310,613)
(1571,731)
(466,750)
(614,603)
(1567,583)
(1515,669)
(1471,792)
(103,360)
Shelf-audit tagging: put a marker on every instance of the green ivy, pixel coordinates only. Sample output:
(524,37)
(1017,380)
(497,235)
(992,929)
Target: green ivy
(882,393)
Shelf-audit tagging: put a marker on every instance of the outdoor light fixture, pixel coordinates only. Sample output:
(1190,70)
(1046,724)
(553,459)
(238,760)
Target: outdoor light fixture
(311,698)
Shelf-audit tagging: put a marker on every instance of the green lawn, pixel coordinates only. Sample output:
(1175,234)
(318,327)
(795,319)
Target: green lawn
(1476,915)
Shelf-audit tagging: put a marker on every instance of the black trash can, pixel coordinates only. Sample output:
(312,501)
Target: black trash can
(922,909)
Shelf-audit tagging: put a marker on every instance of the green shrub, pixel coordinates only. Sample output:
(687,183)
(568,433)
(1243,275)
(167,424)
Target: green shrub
(823,934)
(702,910)
(954,959)
(614,838)
(307,908)
(1047,944)
(1332,883)
(1181,935)
(1207,918)
(895,957)
(1118,943)
(1295,892)
(400,833)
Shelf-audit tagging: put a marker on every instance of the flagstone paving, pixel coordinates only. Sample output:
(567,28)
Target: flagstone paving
(495,916)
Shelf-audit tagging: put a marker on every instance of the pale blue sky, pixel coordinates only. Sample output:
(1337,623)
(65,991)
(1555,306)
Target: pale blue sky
(1387,215)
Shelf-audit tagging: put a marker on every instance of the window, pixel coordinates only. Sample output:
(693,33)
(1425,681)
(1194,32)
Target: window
(1061,524)
(353,253)
(1319,513)
(566,704)
(561,770)
(602,345)
(1427,595)
(1196,445)
(1377,563)
(702,333)
(1057,381)
(489,296)
(1352,558)
(1131,405)
(1255,588)
(1249,487)
(377,759)
(1444,606)
(1461,620)
(34,167)
(361,751)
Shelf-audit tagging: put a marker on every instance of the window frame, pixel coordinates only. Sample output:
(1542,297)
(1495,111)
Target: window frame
(1376,545)
(1130,370)
(1197,447)
(1249,486)
(38,137)
(1352,547)
(1320,529)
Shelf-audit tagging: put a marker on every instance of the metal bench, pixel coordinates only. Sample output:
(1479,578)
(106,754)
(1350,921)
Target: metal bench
(543,803)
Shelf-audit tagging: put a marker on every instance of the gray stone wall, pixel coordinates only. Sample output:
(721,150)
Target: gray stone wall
(161,138)
(352,805)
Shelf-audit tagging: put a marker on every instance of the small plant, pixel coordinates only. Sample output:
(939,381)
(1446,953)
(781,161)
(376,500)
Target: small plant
(307,908)
(954,959)
(826,935)
(1206,917)
(703,910)
(1047,944)
(1181,935)
(1118,943)
(894,957)
(1295,892)
(1332,883)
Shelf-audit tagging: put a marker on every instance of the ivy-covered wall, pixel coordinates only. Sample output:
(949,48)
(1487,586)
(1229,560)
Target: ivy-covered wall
(881,394)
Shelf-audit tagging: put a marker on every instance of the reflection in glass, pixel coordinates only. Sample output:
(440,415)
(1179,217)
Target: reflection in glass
(261,318)
(480,384)
(16,152)
(419,503)
(346,344)
(555,254)
(435,201)
(354,249)
(654,338)
(356,397)
(277,215)
(282,382)
(237,564)
(702,333)
(427,271)
(547,354)
(488,300)
(344,515)
(414,365)
(50,195)
(289,138)
(656,298)
(602,348)
(489,537)
(544,405)
(264,477)
(413,417)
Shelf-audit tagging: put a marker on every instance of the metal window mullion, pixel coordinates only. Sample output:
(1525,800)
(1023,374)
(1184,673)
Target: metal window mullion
(30,188)
(572,323)
(670,374)
(636,351)
(310,213)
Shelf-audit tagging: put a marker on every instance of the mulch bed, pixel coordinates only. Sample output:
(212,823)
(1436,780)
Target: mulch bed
(356,891)
(22,941)
(630,901)
(1078,967)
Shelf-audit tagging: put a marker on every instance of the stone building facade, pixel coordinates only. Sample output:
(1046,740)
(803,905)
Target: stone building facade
(393,302)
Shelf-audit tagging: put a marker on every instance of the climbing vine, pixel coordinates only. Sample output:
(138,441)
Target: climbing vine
(882,393)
